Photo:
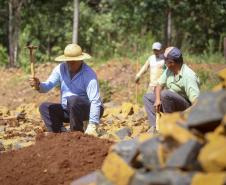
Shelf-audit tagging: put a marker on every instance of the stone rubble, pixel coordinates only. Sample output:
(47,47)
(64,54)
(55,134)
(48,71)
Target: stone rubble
(18,128)
(190,148)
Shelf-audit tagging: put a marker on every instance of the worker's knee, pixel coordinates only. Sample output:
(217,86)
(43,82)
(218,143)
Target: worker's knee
(149,97)
(43,107)
(145,98)
(72,101)
(165,95)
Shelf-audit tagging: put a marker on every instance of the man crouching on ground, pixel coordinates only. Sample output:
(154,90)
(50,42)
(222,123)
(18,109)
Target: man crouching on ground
(177,89)
(80,98)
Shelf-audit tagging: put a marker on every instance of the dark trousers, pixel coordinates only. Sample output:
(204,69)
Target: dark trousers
(77,111)
(171,102)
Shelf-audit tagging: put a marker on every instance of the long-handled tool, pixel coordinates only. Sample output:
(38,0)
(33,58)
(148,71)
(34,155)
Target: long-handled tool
(32,59)
(158,116)
(137,85)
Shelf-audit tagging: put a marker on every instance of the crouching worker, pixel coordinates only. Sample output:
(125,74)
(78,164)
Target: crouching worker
(80,98)
(177,89)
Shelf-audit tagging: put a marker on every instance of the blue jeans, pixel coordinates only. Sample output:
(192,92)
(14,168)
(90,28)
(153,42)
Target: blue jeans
(171,102)
(77,111)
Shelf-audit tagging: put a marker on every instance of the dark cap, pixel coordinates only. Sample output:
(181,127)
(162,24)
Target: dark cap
(172,53)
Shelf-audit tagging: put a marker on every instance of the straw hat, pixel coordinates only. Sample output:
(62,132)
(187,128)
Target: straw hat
(72,52)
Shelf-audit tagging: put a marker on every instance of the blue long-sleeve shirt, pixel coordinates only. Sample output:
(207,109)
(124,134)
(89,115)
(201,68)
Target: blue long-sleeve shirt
(83,84)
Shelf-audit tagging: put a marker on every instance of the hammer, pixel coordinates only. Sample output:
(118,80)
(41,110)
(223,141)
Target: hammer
(32,59)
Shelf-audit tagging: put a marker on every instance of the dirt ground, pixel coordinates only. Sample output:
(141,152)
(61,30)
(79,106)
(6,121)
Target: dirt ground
(54,159)
(15,89)
(61,158)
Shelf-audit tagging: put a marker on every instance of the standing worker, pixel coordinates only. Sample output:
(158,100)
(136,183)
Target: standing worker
(80,98)
(156,64)
(177,89)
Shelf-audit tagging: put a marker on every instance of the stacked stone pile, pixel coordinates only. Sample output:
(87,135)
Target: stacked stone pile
(189,150)
(123,122)
(19,127)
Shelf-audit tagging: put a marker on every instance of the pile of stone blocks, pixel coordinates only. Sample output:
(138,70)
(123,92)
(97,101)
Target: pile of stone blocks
(123,122)
(190,149)
(19,127)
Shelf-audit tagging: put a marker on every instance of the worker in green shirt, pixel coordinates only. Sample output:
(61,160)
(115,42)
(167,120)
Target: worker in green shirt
(177,89)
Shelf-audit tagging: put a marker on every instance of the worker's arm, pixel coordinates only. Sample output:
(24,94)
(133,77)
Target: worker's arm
(52,81)
(157,103)
(95,101)
(142,71)
(161,84)
(95,106)
(191,84)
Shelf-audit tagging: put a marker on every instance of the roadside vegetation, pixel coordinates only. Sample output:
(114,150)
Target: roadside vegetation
(114,30)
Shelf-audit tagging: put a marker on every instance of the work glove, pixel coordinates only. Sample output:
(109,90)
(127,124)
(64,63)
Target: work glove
(91,129)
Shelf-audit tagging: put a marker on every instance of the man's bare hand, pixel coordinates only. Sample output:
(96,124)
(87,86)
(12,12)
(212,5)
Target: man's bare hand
(157,106)
(34,82)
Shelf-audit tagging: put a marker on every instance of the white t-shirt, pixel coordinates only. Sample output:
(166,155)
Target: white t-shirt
(156,68)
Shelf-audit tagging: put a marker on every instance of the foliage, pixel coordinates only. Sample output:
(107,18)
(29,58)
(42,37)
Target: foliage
(140,96)
(105,90)
(3,23)
(112,28)
(3,56)
(207,79)
(205,58)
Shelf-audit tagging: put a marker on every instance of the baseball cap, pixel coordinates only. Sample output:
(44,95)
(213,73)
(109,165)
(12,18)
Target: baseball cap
(172,53)
(157,46)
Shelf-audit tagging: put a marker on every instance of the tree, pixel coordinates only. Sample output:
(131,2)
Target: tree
(109,27)
(14,28)
(75,21)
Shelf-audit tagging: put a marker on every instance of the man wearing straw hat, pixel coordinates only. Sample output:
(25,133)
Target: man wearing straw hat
(80,98)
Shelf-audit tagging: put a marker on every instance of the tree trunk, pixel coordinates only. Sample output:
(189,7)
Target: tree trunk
(179,37)
(168,28)
(11,46)
(75,22)
(225,47)
(14,28)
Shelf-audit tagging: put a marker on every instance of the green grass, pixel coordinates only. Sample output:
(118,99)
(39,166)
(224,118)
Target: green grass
(105,90)
(140,96)
(205,58)
(208,79)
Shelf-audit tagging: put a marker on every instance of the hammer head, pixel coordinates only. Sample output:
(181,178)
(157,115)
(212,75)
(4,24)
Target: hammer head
(32,47)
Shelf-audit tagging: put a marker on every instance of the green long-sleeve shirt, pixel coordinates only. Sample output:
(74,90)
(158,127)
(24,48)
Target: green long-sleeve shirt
(186,83)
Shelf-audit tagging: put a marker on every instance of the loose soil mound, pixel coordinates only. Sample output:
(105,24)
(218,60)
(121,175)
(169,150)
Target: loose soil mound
(54,159)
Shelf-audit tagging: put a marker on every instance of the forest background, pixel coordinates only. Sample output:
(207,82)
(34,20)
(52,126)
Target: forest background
(110,29)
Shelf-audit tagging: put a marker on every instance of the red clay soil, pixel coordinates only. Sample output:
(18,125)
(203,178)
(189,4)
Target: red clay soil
(54,159)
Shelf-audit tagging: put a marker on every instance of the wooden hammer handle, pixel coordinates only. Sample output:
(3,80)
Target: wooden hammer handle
(32,63)
(32,59)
